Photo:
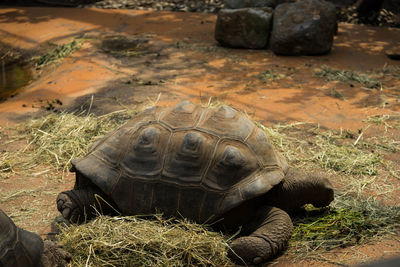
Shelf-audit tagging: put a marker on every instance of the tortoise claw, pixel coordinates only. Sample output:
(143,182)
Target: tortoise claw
(66,213)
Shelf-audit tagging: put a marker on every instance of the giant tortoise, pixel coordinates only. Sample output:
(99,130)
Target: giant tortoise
(205,164)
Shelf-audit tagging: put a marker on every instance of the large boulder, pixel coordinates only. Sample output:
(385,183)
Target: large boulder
(306,27)
(235,4)
(244,27)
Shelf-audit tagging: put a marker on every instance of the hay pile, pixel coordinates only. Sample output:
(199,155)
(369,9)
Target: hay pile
(135,241)
(55,139)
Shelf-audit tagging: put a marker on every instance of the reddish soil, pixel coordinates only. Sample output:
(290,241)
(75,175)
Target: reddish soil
(181,60)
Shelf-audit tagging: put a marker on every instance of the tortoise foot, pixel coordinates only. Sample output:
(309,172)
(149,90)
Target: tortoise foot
(249,250)
(69,207)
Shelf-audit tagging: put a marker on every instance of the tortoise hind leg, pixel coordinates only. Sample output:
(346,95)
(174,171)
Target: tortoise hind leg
(79,205)
(269,232)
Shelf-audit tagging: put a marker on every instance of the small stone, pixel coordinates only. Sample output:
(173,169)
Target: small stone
(393,53)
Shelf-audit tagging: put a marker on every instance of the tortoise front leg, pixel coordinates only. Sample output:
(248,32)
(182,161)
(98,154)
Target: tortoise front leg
(75,205)
(79,205)
(268,234)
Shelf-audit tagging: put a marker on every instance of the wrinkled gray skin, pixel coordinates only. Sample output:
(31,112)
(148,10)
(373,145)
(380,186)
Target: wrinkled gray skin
(266,225)
(21,248)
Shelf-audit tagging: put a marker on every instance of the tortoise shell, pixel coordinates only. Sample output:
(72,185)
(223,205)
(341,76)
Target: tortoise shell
(18,248)
(187,160)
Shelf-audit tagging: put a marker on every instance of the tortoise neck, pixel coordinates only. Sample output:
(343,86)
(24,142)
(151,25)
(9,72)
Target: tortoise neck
(298,189)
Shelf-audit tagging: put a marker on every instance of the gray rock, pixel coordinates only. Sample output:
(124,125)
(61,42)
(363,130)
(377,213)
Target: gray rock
(392,5)
(303,28)
(245,27)
(235,4)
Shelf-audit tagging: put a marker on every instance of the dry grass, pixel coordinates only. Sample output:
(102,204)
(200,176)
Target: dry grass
(135,241)
(389,121)
(389,70)
(345,158)
(55,139)
(31,207)
(347,76)
(5,164)
(340,151)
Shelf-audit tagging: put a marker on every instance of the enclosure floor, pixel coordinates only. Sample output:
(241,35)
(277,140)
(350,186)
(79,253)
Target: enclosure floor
(183,61)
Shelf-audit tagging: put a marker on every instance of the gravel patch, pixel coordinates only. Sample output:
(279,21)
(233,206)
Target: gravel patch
(209,6)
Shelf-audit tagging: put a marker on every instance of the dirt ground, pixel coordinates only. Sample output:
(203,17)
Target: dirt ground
(132,58)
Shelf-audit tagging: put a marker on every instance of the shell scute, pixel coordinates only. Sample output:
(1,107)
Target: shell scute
(184,115)
(188,156)
(109,148)
(145,152)
(190,202)
(143,196)
(259,142)
(122,194)
(227,122)
(165,196)
(231,164)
